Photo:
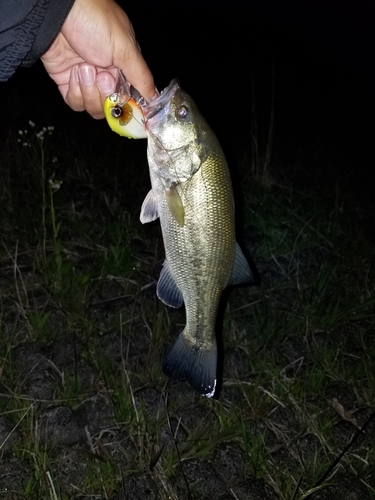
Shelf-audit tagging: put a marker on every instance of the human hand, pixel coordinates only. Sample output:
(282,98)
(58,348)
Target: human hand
(96,39)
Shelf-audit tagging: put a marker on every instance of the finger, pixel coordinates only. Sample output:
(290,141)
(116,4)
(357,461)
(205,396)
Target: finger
(139,75)
(90,91)
(134,67)
(73,95)
(106,83)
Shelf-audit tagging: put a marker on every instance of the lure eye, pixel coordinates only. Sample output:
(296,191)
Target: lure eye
(116,112)
(182,112)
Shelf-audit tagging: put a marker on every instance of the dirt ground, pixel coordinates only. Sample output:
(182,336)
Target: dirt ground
(88,435)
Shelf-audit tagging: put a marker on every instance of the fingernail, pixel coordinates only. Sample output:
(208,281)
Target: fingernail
(87,75)
(106,84)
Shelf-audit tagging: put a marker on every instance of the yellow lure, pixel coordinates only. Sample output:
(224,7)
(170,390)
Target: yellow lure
(125,119)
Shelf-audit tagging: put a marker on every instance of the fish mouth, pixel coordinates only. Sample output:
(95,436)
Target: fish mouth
(157,104)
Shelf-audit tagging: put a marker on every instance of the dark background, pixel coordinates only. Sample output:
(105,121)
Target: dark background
(318,56)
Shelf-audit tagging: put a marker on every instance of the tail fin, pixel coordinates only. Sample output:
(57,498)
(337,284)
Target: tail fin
(194,363)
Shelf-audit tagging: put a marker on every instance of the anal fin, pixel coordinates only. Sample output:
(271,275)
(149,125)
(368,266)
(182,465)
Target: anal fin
(167,289)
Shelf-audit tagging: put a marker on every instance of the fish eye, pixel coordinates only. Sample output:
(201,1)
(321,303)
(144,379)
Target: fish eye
(182,112)
(116,112)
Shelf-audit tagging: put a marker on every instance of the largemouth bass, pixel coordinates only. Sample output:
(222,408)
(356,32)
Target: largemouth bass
(192,196)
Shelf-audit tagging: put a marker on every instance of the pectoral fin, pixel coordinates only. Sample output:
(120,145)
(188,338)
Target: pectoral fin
(175,205)
(149,209)
(167,289)
(241,273)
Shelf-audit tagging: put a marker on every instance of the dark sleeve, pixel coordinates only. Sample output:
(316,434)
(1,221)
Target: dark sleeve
(27,30)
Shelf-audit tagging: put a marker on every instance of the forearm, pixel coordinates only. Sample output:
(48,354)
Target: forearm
(27,29)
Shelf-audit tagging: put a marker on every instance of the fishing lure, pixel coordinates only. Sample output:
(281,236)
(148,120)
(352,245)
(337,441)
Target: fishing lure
(123,110)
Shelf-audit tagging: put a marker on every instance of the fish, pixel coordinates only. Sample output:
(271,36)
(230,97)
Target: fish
(191,194)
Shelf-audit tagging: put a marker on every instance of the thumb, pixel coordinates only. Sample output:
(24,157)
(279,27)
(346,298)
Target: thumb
(136,71)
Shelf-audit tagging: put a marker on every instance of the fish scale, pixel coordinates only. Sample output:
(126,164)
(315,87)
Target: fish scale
(192,195)
(203,268)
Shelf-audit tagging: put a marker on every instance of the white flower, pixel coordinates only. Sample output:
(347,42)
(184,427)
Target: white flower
(55,184)
(31,123)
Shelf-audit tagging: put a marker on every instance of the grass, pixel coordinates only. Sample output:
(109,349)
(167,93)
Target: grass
(81,328)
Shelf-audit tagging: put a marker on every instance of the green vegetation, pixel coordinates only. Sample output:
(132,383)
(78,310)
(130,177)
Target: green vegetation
(84,405)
